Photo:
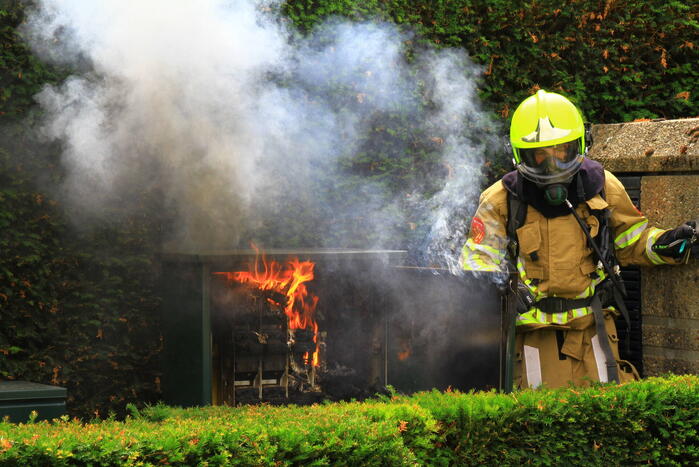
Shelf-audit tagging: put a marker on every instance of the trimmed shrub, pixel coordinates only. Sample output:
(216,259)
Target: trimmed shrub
(653,421)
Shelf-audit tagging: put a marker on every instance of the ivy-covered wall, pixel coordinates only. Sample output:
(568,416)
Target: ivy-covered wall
(79,307)
(619,60)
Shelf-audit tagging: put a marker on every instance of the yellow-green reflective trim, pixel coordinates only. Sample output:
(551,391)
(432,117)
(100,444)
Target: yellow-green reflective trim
(587,292)
(630,235)
(590,290)
(524,319)
(528,282)
(536,316)
(474,263)
(580,312)
(652,255)
(475,259)
(560,318)
(496,254)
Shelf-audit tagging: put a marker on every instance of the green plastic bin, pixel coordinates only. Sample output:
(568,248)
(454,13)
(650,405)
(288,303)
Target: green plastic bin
(19,398)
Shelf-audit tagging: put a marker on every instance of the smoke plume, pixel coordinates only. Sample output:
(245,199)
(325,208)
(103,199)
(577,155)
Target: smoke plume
(248,128)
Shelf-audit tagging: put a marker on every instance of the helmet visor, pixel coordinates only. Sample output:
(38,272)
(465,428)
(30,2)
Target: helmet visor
(551,164)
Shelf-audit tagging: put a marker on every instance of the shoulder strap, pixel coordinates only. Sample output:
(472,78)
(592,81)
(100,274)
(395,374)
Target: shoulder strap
(605,239)
(612,290)
(516,215)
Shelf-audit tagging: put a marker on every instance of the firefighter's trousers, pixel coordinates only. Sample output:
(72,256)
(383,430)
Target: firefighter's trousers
(559,355)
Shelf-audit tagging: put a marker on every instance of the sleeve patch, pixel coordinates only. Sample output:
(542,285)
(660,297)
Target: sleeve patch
(477,230)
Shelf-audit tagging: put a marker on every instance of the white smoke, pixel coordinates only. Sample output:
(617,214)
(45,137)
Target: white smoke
(212,103)
(455,94)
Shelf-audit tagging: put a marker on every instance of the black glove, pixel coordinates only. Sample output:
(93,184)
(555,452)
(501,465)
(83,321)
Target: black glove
(525,299)
(681,242)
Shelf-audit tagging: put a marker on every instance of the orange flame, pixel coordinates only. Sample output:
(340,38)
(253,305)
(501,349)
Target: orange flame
(289,281)
(405,351)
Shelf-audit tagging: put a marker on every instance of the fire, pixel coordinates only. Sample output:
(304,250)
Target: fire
(289,281)
(405,351)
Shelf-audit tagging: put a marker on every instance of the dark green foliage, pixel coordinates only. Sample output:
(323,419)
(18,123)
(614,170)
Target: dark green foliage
(78,307)
(618,60)
(21,74)
(649,422)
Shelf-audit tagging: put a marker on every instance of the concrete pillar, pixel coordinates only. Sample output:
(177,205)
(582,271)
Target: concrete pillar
(665,154)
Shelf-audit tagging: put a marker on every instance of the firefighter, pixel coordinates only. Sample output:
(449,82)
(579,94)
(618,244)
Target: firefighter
(562,225)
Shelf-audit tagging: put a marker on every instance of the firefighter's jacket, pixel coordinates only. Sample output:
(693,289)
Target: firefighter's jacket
(555,260)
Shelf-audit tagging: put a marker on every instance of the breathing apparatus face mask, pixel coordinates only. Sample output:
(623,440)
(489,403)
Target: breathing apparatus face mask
(552,168)
(555,194)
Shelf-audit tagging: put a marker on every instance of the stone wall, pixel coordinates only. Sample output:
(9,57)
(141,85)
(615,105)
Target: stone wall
(665,154)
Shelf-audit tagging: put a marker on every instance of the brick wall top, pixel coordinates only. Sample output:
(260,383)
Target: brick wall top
(653,146)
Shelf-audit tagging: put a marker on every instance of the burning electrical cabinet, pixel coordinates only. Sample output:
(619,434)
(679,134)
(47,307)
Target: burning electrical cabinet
(300,326)
(264,332)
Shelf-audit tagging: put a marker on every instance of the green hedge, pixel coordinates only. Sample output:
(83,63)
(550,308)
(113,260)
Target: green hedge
(653,421)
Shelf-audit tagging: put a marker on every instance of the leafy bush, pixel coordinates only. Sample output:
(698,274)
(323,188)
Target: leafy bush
(653,421)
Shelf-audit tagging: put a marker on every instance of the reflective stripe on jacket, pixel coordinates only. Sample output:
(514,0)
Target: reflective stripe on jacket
(554,259)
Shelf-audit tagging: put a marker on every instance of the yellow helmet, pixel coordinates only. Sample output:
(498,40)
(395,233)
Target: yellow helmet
(547,134)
